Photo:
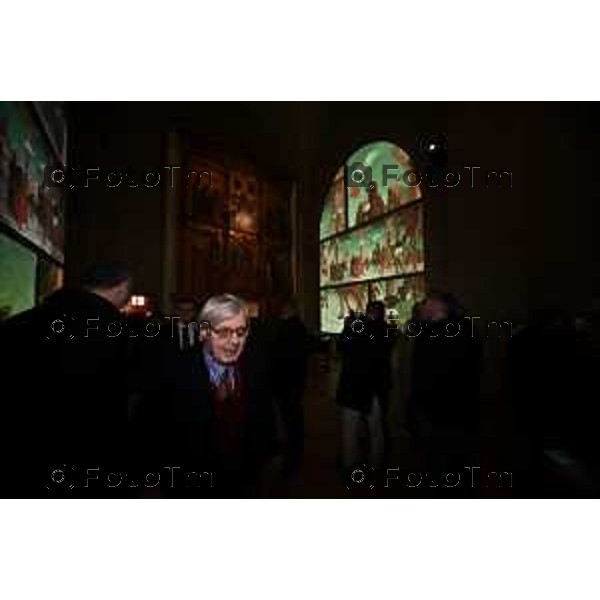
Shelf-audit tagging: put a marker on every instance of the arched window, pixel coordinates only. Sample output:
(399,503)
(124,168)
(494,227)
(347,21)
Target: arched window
(371,236)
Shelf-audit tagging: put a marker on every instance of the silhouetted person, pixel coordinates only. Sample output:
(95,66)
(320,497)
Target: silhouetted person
(65,404)
(290,348)
(363,387)
(178,332)
(445,382)
(550,387)
(184,326)
(412,328)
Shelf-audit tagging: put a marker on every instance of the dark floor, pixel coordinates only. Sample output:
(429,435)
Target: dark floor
(320,476)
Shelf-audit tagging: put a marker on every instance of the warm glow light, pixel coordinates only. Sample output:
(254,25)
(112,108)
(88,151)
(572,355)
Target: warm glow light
(138,301)
(244,220)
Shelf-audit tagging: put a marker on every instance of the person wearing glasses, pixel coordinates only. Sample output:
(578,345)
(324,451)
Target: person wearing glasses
(217,406)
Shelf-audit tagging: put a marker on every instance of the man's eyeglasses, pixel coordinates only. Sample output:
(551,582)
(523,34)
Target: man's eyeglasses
(225,333)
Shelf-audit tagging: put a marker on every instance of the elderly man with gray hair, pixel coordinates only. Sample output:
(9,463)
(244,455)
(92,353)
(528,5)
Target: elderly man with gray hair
(217,402)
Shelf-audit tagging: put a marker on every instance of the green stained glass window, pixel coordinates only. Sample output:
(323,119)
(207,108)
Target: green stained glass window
(372,238)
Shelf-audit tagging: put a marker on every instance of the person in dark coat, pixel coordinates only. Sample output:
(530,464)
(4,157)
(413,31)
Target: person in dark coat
(65,376)
(445,384)
(550,373)
(209,413)
(364,384)
(290,356)
(411,329)
(158,337)
(183,332)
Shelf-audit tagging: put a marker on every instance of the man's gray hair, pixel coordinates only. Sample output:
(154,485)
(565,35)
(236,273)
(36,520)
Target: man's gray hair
(220,308)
